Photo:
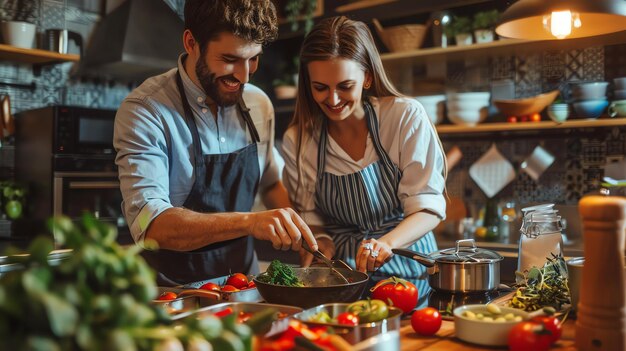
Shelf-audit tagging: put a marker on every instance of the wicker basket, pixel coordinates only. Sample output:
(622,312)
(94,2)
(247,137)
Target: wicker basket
(401,38)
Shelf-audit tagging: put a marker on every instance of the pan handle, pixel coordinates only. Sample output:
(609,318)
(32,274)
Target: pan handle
(419,257)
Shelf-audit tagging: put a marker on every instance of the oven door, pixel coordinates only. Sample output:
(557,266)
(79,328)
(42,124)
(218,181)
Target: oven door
(98,193)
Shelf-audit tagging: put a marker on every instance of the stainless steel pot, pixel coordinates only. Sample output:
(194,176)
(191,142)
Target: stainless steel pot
(465,268)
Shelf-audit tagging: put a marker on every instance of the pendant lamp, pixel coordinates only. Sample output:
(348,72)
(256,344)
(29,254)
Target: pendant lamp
(560,19)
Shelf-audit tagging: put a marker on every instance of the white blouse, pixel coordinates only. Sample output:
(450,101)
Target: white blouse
(409,138)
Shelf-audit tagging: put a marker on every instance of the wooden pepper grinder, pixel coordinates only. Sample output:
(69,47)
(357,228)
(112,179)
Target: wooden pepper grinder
(601,323)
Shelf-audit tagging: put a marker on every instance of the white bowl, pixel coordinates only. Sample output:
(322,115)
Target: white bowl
(620,83)
(482,332)
(466,105)
(468,117)
(471,96)
(434,106)
(589,90)
(620,94)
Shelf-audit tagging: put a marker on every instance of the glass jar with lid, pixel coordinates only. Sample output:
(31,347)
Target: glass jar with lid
(540,237)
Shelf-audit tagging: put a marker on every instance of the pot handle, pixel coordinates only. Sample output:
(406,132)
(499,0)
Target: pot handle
(419,257)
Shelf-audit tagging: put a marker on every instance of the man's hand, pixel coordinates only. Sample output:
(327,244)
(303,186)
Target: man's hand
(283,227)
(326,246)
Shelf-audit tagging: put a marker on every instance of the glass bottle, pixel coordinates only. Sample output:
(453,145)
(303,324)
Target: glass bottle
(540,237)
(492,220)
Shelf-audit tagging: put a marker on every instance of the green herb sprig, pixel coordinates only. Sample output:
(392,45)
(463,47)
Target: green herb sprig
(279,273)
(541,287)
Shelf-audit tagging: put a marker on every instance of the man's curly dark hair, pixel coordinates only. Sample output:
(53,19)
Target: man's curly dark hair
(253,20)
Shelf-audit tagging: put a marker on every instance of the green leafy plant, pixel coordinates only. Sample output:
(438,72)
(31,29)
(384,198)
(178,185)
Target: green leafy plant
(297,10)
(12,199)
(279,273)
(289,72)
(458,25)
(20,10)
(485,19)
(98,297)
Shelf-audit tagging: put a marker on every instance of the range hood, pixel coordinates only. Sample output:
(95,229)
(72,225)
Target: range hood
(138,39)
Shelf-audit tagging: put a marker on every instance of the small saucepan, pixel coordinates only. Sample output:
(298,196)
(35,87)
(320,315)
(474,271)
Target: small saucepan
(464,269)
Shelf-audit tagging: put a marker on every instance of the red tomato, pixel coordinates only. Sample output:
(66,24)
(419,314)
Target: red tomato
(238,280)
(251,284)
(210,286)
(166,296)
(426,321)
(229,288)
(535,117)
(397,292)
(529,336)
(512,119)
(348,318)
(552,324)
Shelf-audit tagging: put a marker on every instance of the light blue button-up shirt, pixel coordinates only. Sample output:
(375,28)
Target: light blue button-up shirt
(155,148)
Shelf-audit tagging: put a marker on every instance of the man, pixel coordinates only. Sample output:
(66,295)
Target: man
(195,144)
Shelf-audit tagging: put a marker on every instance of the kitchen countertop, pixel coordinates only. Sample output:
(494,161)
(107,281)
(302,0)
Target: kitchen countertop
(445,339)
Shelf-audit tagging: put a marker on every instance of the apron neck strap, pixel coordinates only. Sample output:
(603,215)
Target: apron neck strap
(191,123)
(372,126)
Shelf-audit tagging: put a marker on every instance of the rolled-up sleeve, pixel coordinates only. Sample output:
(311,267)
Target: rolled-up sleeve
(142,160)
(302,197)
(422,163)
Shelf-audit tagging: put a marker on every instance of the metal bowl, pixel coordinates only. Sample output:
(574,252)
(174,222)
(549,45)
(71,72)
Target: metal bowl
(352,334)
(321,286)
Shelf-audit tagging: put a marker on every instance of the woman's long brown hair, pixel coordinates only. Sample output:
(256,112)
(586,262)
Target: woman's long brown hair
(332,38)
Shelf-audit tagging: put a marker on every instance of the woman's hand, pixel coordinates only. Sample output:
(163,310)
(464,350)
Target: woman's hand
(326,246)
(372,254)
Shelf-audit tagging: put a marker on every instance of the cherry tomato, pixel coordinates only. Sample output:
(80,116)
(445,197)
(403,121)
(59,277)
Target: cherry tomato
(552,324)
(526,336)
(210,286)
(229,288)
(348,318)
(512,119)
(426,321)
(535,117)
(251,284)
(238,280)
(401,293)
(223,313)
(167,296)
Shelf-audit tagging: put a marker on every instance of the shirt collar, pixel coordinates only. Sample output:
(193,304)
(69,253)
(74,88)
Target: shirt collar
(193,91)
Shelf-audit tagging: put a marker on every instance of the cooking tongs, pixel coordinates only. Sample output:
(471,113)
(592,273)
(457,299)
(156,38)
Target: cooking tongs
(330,263)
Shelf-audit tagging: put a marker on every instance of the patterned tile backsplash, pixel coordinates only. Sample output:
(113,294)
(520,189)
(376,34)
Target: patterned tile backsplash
(580,154)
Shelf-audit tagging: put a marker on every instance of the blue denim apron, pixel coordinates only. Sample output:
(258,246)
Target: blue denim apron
(223,183)
(365,205)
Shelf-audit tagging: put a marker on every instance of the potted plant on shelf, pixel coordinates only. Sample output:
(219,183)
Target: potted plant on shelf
(285,87)
(483,25)
(18,22)
(12,199)
(300,10)
(460,28)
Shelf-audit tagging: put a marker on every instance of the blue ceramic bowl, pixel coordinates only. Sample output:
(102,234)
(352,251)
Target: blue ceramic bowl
(590,108)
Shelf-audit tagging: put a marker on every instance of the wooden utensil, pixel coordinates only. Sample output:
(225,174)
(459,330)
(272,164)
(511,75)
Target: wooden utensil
(601,323)
(8,120)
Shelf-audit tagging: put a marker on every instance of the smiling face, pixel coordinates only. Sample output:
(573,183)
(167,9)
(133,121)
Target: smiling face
(226,64)
(337,87)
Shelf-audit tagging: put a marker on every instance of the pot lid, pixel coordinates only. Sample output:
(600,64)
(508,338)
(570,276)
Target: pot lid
(463,253)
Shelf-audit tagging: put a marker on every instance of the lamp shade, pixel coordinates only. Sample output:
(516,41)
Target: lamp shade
(525,18)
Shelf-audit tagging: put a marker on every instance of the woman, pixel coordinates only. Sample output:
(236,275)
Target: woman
(364,165)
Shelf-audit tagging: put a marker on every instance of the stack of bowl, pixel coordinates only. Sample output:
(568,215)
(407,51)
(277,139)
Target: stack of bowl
(434,106)
(467,109)
(589,99)
(620,88)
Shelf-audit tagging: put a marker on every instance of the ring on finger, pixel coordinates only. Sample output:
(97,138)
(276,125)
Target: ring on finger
(367,246)
(374,254)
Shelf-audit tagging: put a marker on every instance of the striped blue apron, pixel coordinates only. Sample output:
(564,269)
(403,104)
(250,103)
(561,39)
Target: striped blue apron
(365,205)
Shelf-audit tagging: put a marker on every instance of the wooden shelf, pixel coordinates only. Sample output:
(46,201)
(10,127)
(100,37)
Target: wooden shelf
(499,47)
(363,4)
(543,125)
(34,56)
(365,10)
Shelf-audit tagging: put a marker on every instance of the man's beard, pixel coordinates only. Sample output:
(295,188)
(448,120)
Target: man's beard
(210,84)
